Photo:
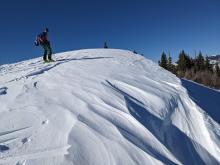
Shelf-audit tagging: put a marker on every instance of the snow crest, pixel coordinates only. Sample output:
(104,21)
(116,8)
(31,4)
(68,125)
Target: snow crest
(101,107)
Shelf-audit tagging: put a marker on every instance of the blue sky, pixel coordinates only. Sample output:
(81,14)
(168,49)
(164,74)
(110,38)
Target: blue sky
(147,26)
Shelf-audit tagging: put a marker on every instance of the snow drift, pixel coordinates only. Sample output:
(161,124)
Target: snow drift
(101,107)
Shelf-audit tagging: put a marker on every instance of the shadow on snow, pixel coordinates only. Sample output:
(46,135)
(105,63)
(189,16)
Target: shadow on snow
(61,61)
(206,98)
(181,146)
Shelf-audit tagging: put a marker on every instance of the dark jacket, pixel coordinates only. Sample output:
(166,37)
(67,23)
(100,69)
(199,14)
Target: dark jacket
(42,39)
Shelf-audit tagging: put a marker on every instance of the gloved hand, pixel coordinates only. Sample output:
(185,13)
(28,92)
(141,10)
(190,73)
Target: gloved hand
(36,43)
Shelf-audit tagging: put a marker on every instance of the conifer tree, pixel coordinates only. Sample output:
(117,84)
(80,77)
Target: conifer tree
(182,62)
(169,63)
(200,62)
(163,61)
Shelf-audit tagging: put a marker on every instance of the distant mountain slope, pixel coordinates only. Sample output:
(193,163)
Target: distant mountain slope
(101,107)
(216,57)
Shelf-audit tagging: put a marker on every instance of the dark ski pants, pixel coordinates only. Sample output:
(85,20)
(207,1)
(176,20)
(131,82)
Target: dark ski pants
(47,52)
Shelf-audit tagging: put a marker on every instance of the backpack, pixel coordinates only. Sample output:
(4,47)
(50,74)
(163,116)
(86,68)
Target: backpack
(41,39)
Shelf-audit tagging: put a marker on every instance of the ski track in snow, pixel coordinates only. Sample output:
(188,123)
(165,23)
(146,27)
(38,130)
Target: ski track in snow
(3,91)
(102,107)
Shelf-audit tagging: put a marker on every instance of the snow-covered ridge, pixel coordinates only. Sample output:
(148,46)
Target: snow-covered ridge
(101,107)
(214,59)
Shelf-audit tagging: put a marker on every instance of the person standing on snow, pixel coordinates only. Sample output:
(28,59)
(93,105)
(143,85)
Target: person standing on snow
(42,39)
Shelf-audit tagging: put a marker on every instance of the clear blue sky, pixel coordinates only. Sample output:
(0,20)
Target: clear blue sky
(148,26)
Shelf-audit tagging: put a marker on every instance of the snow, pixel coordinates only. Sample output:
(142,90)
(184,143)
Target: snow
(207,98)
(101,107)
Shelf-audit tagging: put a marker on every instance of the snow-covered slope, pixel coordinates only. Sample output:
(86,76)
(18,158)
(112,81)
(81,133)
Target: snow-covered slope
(207,98)
(101,107)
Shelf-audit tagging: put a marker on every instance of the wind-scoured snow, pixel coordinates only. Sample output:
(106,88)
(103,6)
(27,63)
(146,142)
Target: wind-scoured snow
(208,99)
(101,107)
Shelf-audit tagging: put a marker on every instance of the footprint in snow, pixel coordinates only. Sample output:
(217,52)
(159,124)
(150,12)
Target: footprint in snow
(23,162)
(45,122)
(25,140)
(35,84)
(3,148)
(3,91)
